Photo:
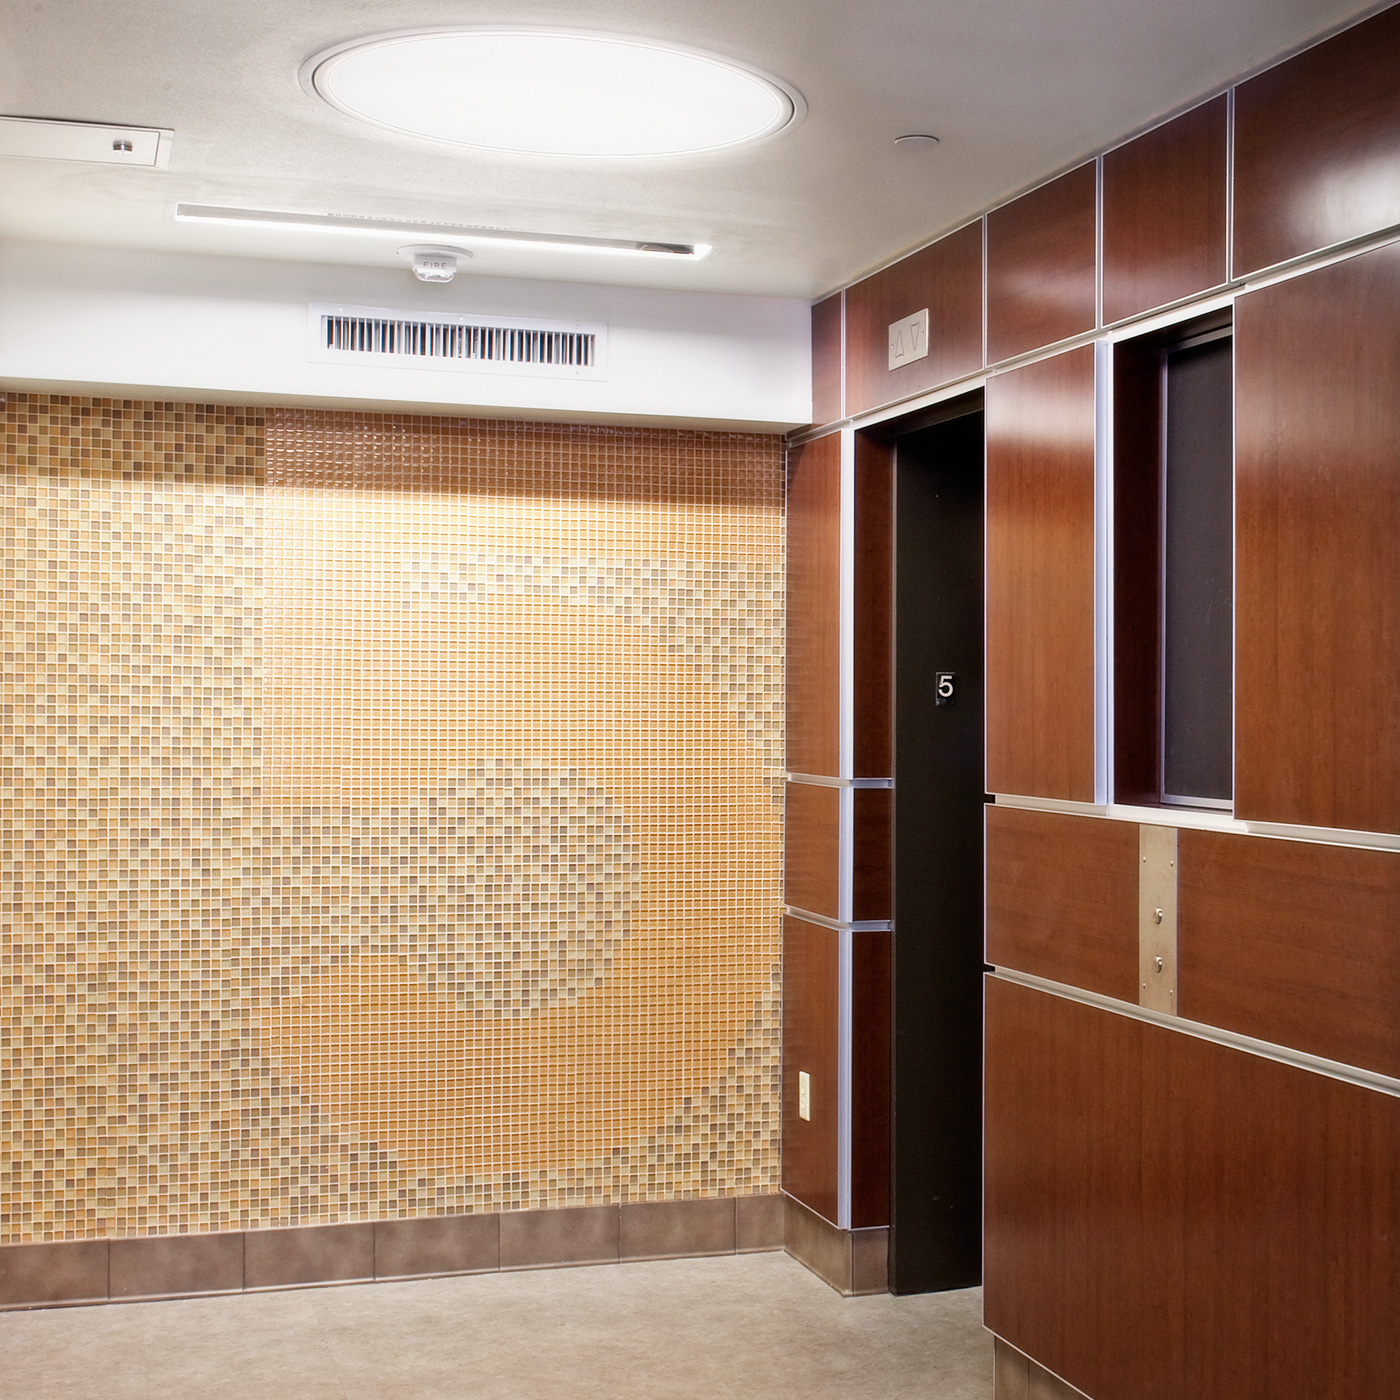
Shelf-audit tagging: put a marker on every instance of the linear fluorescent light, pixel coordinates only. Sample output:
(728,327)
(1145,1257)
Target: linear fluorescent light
(410,228)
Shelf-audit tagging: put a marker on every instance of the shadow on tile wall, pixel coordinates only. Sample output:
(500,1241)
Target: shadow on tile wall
(390,822)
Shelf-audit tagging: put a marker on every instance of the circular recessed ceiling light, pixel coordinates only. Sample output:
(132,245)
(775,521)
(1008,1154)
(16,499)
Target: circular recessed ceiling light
(547,93)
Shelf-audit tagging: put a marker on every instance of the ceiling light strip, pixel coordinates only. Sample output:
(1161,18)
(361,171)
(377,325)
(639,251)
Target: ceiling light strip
(410,228)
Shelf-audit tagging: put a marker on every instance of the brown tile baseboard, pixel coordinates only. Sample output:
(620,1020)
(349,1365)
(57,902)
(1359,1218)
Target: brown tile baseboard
(853,1262)
(68,1273)
(1016,1377)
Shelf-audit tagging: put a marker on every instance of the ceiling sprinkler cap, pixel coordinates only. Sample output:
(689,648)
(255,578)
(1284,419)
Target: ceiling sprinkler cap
(432,263)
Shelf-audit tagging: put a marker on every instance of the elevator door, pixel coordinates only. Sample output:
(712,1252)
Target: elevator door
(936,1220)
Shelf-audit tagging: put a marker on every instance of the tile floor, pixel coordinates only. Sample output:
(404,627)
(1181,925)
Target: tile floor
(745,1327)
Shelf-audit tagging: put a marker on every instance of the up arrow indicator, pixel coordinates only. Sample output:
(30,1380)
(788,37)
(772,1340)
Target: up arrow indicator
(909,339)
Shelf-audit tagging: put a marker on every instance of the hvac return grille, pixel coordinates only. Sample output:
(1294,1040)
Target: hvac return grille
(360,334)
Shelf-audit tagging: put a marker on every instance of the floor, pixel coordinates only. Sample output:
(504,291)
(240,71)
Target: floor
(752,1326)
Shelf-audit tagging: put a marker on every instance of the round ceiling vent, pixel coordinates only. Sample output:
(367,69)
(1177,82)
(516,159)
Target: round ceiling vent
(532,92)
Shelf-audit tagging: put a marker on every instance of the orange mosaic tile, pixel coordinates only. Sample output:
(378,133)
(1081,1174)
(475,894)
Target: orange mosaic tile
(390,816)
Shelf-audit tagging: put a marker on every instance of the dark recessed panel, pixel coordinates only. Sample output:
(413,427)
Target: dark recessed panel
(811,1014)
(826,360)
(944,279)
(1167,1217)
(1317,422)
(812,849)
(1315,147)
(1040,578)
(1294,943)
(1164,214)
(814,607)
(1062,899)
(1041,266)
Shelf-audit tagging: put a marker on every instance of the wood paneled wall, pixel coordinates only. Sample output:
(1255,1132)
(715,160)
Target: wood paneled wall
(1168,1217)
(828,348)
(1041,266)
(1062,896)
(1315,143)
(1164,198)
(1317,481)
(1040,579)
(944,279)
(811,874)
(811,1033)
(1308,163)
(814,606)
(1293,942)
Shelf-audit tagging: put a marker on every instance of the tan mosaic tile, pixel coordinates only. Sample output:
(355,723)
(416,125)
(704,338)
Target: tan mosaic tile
(387,819)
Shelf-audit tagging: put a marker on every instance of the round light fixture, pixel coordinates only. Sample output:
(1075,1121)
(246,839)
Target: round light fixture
(535,92)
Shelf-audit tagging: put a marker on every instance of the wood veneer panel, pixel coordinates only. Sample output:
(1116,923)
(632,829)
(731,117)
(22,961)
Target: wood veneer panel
(1062,899)
(814,607)
(946,279)
(826,360)
(871,955)
(1315,142)
(870,881)
(811,1010)
(812,849)
(874,607)
(1292,942)
(1164,213)
(1040,578)
(1168,1217)
(1317,504)
(1041,252)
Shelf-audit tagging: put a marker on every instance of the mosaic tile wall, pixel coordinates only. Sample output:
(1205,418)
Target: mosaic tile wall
(390,816)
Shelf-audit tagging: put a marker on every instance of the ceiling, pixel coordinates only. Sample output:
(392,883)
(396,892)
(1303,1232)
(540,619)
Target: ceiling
(1014,89)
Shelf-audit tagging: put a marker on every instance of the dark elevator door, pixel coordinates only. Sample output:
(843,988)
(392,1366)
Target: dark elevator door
(936,1221)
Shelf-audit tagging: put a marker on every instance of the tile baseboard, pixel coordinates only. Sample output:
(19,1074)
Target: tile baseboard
(151,1267)
(1016,1377)
(853,1262)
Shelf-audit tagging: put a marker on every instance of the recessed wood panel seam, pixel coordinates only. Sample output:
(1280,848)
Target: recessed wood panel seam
(1265,1050)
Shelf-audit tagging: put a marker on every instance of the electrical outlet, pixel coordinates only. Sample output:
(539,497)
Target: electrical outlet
(804,1096)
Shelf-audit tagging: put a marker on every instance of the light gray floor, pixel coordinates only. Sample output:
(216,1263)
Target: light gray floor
(747,1326)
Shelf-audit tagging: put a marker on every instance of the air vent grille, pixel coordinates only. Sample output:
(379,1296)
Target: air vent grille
(358,334)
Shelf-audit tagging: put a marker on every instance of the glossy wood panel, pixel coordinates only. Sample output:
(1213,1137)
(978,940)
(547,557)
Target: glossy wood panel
(1062,899)
(1164,213)
(812,849)
(871,896)
(811,1010)
(870,1079)
(814,607)
(827,333)
(1041,276)
(873,689)
(1294,943)
(1166,1217)
(1317,473)
(1315,143)
(946,280)
(1040,578)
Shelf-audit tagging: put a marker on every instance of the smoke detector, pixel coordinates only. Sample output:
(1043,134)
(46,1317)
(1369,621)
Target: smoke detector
(432,262)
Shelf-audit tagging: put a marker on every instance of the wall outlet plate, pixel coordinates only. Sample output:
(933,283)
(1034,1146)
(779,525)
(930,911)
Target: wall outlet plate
(804,1096)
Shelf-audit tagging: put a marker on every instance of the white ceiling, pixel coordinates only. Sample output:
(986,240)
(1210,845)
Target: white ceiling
(1014,89)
